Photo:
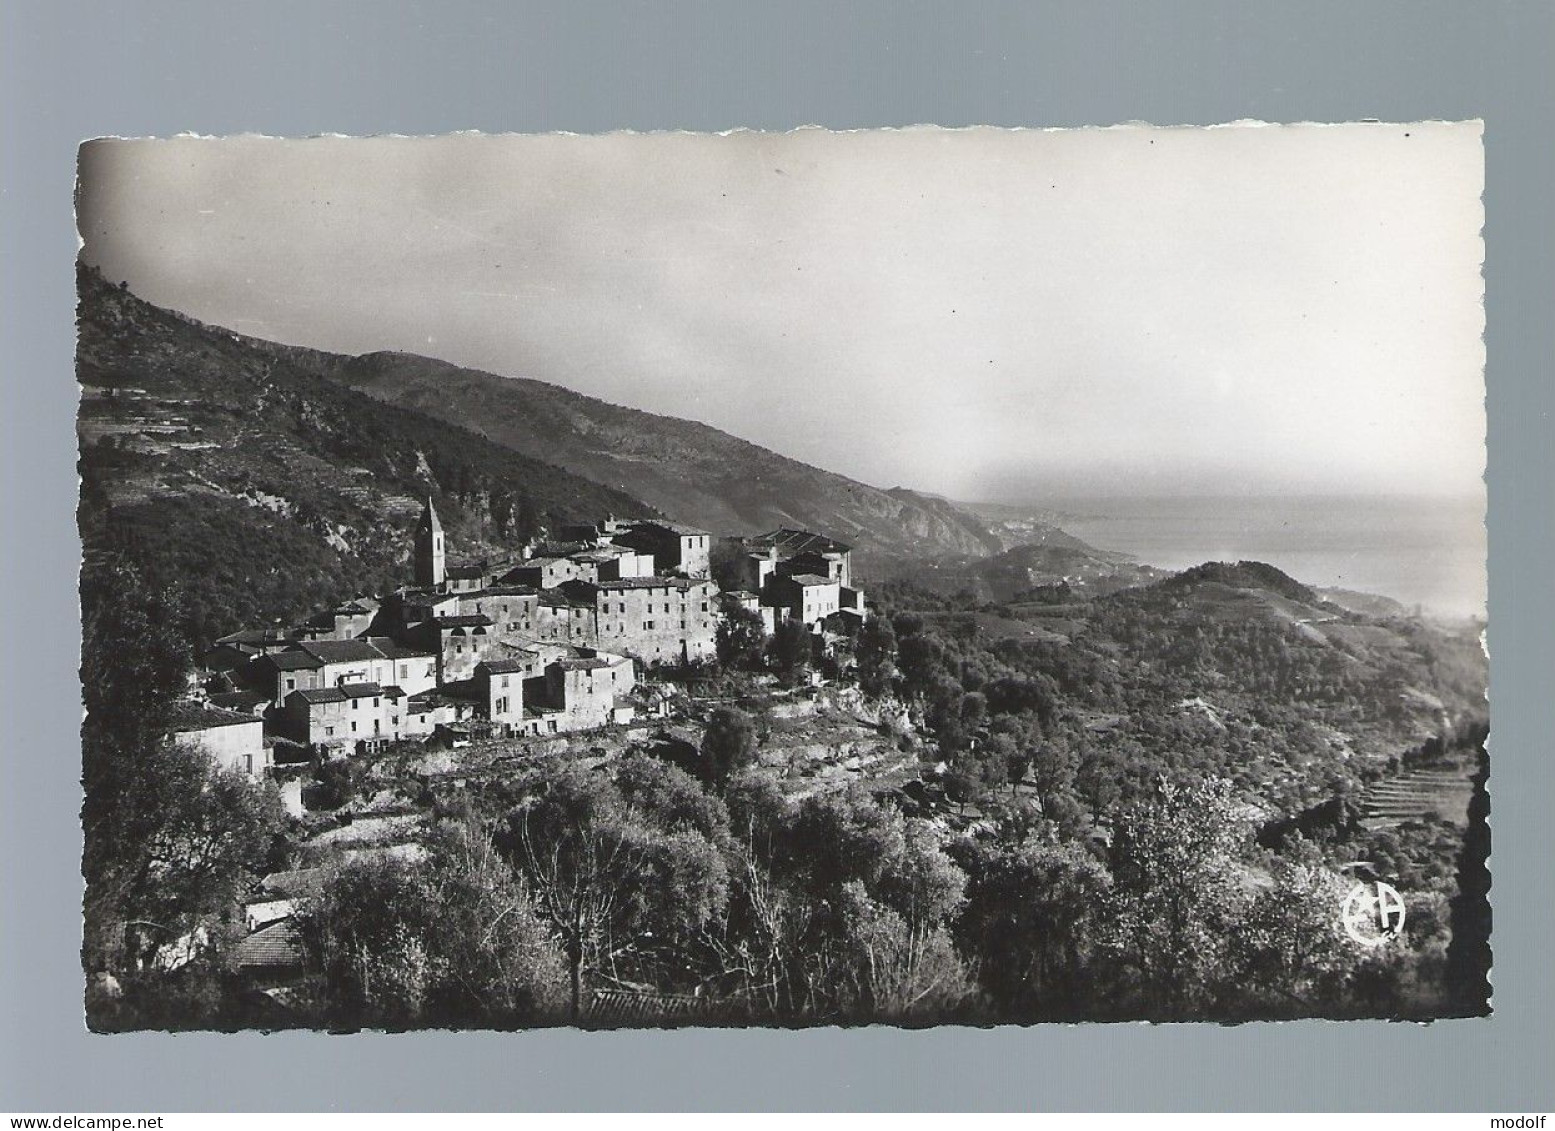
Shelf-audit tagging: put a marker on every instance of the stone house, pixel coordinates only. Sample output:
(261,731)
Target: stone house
(656,619)
(542,573)
(589,691)
(345,718)
(805,597)
(502,684)
(314,664)
(234,741)
(675,548)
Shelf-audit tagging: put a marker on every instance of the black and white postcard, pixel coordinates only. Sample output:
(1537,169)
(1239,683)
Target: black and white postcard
(899,577)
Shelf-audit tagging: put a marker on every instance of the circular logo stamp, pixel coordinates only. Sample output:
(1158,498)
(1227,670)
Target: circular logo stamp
(1373,913)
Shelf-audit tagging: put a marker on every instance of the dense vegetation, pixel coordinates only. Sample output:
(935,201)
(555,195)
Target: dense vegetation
(1142,803)
(1139,870)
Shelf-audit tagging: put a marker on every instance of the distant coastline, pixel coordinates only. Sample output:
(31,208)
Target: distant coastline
(1419,551)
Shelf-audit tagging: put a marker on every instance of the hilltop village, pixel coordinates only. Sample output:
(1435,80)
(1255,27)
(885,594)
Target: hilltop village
(555,642)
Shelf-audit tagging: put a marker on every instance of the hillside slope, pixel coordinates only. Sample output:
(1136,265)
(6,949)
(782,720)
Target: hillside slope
(217,461)
(689,471)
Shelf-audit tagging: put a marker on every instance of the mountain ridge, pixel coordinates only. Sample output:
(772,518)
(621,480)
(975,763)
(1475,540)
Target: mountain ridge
(691,471)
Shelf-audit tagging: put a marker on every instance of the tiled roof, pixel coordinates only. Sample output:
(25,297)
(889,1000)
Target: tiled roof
(435,596)
(394,691)
(188,717)
(680,528)
(341,651)
(651,583)
(243,701)
(506,591)
(470,620)
(572,594)
(791,542)
(293,659)
(279,944)
(811,579)
(466,572)
(393,650)
(252,636)
(312,695)
(628,1007)
(580,665)
(499,667)
(360,690)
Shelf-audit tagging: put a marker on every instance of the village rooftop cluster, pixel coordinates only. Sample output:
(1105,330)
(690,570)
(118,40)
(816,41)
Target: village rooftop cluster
(553,643)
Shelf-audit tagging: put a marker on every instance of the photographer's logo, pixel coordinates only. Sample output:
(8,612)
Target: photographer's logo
(1373,913)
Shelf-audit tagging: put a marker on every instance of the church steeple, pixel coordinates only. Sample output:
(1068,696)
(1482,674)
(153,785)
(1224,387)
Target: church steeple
(430,569)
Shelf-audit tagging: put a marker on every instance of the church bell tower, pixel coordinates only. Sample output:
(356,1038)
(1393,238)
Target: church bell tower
(430,571)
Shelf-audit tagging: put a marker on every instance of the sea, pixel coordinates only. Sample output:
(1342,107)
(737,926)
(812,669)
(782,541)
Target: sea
(1428,554)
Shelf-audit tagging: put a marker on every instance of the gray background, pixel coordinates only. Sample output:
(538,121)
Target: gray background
(70,71)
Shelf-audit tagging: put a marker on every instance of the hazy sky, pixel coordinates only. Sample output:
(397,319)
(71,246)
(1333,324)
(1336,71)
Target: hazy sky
(981,313)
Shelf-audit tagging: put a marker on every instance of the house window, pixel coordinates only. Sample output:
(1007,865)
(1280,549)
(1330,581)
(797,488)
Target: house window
(405,668)
(375,700)
(291,684)
(355,703)
(647,626)
(329,732)
(353,727)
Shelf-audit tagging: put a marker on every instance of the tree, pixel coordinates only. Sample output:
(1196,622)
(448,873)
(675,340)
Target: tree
(1098,780)
(728,743)
(1176,897)
(741,638)
(1033,919)
(169,838)
(452,939)
(616,876)
(1289,955)
(876,657)
(840,909)
(790,649)
(963,783)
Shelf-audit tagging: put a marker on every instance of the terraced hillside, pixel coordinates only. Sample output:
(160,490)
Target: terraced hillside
(1412,795)
(229,466)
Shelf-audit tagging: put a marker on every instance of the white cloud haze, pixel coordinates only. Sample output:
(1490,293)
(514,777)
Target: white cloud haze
(981,313)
